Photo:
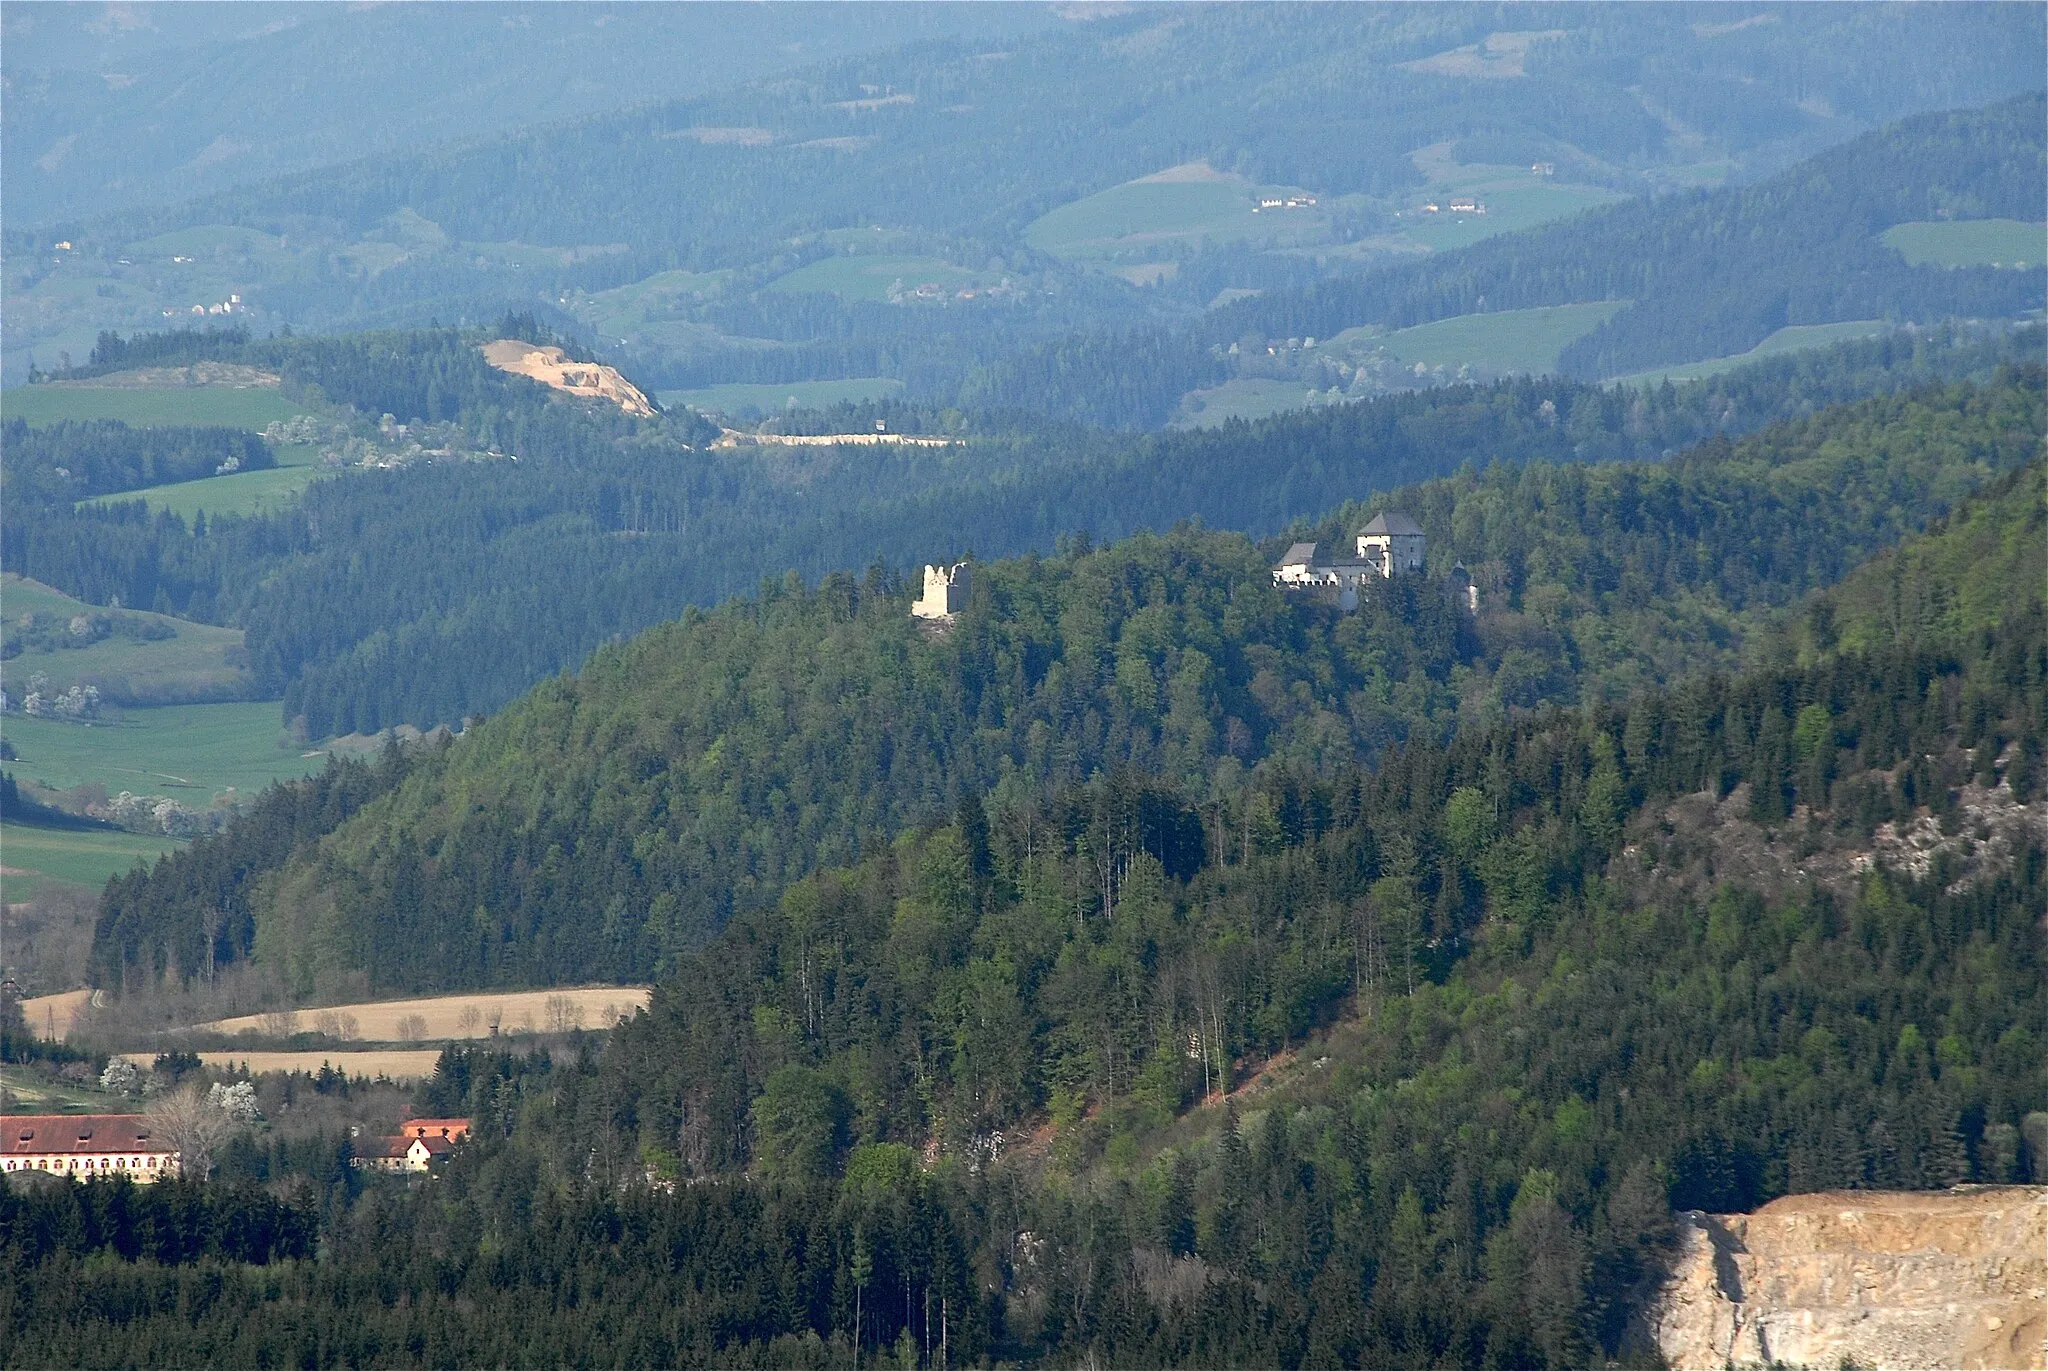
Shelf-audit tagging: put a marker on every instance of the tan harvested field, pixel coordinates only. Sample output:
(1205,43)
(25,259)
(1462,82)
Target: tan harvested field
(455,1016)
(400,1064)
(49,1016)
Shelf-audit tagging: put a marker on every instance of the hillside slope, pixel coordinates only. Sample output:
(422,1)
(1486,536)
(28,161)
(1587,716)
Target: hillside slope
(692,773)
(1404,1067)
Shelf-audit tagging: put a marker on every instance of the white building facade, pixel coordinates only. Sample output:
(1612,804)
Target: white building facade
(82,1146)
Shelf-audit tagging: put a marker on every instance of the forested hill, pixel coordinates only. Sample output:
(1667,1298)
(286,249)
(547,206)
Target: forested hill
(1706,274)
(612,820)
(424,595)
(1549,983)
(1973,572)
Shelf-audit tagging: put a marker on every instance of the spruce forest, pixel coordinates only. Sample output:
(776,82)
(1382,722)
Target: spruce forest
(502,797)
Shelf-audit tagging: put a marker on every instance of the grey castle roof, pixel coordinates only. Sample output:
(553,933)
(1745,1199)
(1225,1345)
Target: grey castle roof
(1299,554)
(1392,523)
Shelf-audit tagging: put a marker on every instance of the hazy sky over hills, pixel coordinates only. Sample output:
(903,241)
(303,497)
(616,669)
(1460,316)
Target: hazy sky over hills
(113,105)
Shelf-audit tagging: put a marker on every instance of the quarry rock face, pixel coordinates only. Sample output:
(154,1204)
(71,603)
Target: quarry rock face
(1951,1280)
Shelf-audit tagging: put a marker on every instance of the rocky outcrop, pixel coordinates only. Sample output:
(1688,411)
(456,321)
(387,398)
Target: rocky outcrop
(552,367)
(1947,1281)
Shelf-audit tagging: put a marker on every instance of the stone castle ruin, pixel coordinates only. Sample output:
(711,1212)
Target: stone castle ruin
(946,589)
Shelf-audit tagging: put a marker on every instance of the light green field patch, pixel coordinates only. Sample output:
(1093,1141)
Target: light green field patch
(250,407)
(242,492)
(1524,340)
(34,858)
(736,396)
(536,255)
(627,309)
(1183,205)
(1793,338)
(1510,207)
(1970,243)
(209,240)
(865,277)
(372,258)
(1242,397)
(191,753)
(202,662)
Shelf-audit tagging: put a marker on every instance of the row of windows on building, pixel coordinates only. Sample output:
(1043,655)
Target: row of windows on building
(151,1163)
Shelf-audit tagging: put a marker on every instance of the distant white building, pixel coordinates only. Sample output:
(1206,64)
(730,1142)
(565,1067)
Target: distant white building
(945,591)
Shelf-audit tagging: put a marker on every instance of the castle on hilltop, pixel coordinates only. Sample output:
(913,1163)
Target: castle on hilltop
(1391,545)
(945,591)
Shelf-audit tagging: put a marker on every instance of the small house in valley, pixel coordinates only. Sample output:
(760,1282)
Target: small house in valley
(421,1145)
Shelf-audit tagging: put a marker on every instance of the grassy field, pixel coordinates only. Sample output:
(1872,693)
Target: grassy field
(39,1096)
(1526,340)
(1180,205)
(243,492)
(736,396)
(626,309)
(868,277)
(202,662)
(189,752)
(31,858)
(209,240)
(1795,338)
(1971,243)
(450,1016)
(250,407)
(1242,397)
(1511,204)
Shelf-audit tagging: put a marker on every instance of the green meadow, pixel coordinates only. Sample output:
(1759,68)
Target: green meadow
(1510,207)
(244,492)
(1793,338)
(209,240)
(1241,397)
(736,396)
(189,752)
(32,858)
(250,407)
(1970,243)
(626,309)
(865,277)
(200,662)
(1182,205)
(1525,340)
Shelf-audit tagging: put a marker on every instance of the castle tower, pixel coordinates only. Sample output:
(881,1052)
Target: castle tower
(1393,543)
(945,591)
